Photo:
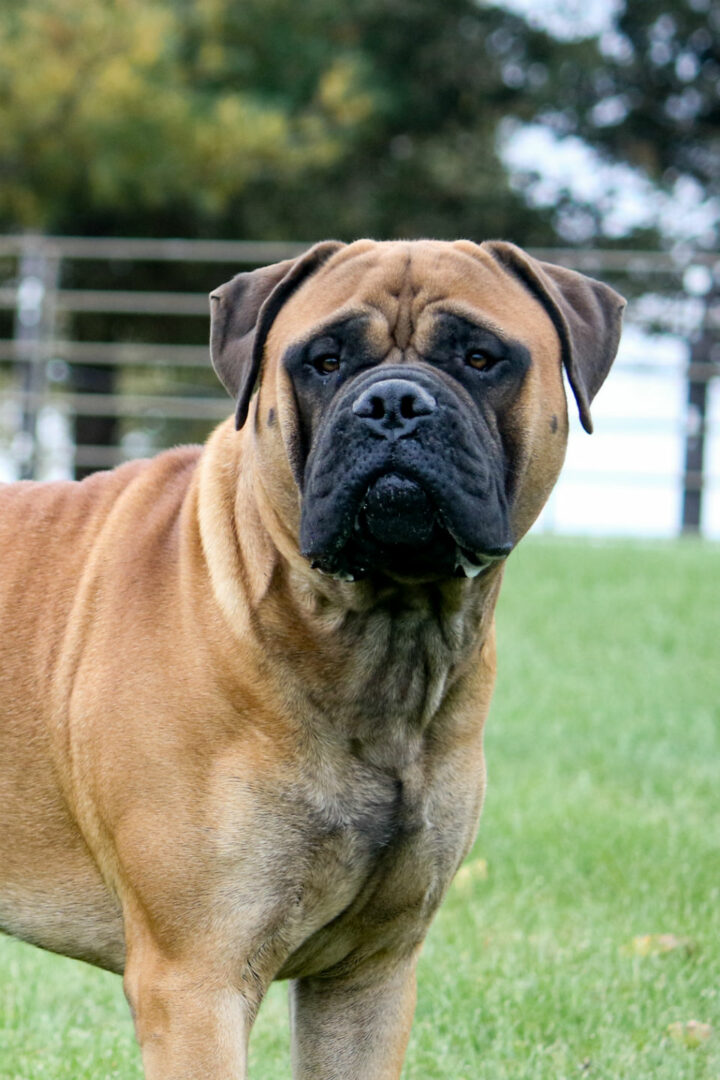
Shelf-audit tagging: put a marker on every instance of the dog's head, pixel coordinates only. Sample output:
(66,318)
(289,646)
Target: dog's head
(412,393)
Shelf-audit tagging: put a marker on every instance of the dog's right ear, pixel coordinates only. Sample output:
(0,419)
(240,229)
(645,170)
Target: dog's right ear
(242,312)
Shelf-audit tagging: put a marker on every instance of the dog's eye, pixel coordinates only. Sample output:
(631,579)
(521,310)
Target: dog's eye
(326,364)
(480,360)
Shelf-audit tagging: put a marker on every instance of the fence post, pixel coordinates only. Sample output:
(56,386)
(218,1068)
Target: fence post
(701,367)
(38,272)
(98,430)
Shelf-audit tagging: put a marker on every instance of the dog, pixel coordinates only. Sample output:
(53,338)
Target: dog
(243,686)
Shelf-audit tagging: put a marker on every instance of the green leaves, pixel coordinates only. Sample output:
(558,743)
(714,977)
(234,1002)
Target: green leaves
(98,107)
(276,120)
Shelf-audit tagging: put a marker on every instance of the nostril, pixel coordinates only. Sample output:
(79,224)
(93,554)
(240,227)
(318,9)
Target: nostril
(394,404)
(407,406)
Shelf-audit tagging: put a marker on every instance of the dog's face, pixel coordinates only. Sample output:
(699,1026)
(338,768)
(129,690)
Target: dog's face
(414,392)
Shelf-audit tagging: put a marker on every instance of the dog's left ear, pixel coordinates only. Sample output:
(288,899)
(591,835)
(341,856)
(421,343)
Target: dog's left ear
(242,312)
(587,315)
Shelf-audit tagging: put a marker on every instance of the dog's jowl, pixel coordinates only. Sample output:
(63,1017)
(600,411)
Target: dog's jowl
(243,686)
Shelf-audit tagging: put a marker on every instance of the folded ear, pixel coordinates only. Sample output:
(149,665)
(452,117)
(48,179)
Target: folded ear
(587,315)
(242,312)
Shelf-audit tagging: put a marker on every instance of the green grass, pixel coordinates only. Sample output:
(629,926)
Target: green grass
(602,823)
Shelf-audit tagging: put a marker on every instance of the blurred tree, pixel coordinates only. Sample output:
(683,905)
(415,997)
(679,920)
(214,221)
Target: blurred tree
(652,95)
(100,115)
(266,118)
(272,119)
(420,87)
(646,92)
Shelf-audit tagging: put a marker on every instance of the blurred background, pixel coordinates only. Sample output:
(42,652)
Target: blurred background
(149,149)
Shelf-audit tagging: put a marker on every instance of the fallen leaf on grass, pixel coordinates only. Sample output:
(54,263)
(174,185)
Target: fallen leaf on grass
(693,1033)
(657,945)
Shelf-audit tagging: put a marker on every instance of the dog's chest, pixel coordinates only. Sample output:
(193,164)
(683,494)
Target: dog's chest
(376,870)
(376,832)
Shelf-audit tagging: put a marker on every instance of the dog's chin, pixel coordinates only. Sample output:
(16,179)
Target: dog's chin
(399,534)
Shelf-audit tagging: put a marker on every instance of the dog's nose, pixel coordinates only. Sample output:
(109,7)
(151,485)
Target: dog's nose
(393,408)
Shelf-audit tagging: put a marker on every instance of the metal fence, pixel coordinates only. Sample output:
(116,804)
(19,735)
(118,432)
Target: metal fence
(103,357)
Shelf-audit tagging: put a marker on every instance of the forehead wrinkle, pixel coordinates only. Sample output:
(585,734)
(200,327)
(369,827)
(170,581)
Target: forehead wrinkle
(388,290)
(465,311)
(403,327)
(396,284)
(333,323)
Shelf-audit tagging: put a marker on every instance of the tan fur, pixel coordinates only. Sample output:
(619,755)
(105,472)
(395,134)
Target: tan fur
(202,739)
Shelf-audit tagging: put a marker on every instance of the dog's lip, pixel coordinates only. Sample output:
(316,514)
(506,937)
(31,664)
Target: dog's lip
(467,565)
(464,562)
(470,564)
(397,505)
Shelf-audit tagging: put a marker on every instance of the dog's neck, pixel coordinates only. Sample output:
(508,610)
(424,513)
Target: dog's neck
(391,653)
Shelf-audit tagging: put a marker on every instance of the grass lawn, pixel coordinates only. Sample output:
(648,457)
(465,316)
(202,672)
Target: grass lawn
(601,830)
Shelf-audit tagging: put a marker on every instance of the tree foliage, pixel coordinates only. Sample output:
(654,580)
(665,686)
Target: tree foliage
(103,112)
(647,93)
(273,119)
(653,97)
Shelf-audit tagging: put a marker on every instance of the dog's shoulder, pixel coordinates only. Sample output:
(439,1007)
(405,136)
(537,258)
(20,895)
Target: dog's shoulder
(59,510)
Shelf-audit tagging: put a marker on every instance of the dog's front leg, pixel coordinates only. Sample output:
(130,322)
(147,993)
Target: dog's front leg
(192,1020)
(354,1026)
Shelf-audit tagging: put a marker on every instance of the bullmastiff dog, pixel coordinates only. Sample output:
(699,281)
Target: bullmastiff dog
(243,687)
